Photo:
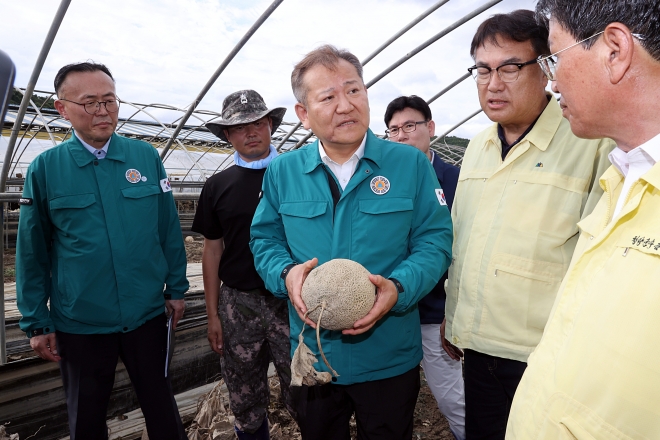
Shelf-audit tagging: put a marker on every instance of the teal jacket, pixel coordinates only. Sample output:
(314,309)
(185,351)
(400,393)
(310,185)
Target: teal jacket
(105,251)
(404,233)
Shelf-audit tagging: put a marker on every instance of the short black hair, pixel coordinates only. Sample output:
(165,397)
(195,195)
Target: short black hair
(87,66)
(520,26)
(404,102)
(582,19)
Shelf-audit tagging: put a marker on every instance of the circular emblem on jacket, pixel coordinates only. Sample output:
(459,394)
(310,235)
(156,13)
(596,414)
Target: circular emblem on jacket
(380,185)
(133,176)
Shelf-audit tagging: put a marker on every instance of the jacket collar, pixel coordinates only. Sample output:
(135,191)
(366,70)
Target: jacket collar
(653,176)
(544,130)
(546,126)
(372,152)
(83,157)
(613,176)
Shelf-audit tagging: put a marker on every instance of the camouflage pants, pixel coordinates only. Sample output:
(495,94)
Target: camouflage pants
(255,329)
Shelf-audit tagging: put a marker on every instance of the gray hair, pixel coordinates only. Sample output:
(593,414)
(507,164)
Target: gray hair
(582,19)
(328,56)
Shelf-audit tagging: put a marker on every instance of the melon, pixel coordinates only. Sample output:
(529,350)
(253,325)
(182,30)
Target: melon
(344,286)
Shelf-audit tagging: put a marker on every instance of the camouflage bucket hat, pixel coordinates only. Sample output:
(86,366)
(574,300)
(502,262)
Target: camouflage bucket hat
(243,107)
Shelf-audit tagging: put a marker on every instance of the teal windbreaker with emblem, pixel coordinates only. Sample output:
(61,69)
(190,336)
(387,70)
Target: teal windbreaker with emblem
(404,233)
(99,240)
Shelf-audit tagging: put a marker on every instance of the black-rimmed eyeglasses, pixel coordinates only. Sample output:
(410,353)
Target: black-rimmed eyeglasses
(111,105)
(508,72)
(408,127)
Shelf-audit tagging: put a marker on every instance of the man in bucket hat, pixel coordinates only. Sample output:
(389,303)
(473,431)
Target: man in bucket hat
(248,326)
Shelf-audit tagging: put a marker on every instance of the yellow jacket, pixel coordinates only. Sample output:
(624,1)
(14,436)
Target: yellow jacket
(596,372)
(515,228)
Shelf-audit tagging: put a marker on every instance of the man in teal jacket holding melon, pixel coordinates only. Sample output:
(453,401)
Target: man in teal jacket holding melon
(388,213)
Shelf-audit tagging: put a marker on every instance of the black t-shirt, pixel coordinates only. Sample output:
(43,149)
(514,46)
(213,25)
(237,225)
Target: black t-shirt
(226,206)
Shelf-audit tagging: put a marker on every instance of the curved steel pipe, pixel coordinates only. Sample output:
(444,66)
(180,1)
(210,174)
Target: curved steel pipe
(45,49)
(404,30)
(287,136)
(194,162)
(46,127)
(455,127)
(373,55)
(439,94)
(217,73)
(448,88)
(432,40)
(407,57)
(303,140)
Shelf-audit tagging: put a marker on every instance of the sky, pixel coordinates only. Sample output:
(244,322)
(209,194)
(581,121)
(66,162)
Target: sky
(164,51)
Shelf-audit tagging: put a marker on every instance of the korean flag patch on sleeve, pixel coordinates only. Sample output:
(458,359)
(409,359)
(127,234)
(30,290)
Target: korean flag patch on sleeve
(165,185)
(440,194)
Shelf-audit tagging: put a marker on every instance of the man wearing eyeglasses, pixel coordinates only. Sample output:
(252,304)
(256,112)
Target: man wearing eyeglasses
(99,258)
(409,121)
(595,373)
(524,184)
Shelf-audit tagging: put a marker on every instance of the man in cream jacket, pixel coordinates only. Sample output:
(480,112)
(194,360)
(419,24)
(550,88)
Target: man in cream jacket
(524,185)
(595,374)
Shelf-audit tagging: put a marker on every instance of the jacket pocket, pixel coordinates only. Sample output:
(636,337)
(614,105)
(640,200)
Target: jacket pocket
(75,201)
(382,226)
(74,215)
(69,214)
(557,180)
(140,204)
(385,206)
(137,192)
(303,209)
(518,296)
(306,224)
(568,419)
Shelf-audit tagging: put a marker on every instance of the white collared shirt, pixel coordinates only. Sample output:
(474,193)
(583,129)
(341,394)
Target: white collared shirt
(633,165)
(343,172)
(98,153)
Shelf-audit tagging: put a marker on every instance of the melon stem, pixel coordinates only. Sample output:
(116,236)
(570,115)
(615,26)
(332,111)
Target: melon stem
(318,333)
(318,339)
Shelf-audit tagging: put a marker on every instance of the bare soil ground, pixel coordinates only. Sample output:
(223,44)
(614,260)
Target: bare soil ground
(9,258)
(194,249)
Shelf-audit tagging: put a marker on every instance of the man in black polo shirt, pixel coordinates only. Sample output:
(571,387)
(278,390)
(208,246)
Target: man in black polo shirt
(248,326)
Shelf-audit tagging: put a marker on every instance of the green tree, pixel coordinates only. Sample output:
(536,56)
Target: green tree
(453,140)
(17,96)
